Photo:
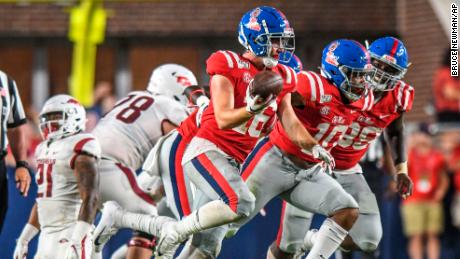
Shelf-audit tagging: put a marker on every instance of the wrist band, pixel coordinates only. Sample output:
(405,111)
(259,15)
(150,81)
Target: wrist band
(22,163)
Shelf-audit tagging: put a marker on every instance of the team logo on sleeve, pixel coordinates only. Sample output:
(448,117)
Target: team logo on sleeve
(253,24)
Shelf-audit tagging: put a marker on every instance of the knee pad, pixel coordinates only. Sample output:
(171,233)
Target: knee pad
(367,232)
(246,204)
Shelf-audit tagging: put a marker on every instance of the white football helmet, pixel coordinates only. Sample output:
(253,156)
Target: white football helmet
(170,80)
(61,116)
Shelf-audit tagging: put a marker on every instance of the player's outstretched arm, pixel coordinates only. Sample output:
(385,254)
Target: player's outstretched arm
(29,231)
(293,127)
(396,139)
(227,116)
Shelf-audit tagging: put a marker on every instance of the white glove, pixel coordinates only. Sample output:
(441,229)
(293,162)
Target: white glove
(322,154)
(72,251)
(73,248)
(256,104)
(202,103)
(22,243)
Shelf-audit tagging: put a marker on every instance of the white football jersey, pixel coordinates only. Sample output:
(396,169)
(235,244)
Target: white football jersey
(130,130)
(58,199)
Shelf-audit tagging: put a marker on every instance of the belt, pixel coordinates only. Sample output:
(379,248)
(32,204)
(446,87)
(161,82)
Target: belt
(299,162)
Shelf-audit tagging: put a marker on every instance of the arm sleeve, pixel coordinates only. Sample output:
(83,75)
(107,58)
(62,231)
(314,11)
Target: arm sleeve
(172,111)
(17,115)
(304,86)
(87,145)
(221,63)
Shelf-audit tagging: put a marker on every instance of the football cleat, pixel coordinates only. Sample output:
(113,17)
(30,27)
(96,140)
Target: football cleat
(307,244)
(169,240)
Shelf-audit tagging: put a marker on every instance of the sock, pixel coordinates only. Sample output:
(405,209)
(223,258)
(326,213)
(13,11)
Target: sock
(327,240)
(314,237)
(141,222)
(212,214)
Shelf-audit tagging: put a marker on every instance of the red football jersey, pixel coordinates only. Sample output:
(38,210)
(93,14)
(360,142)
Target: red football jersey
(239,141)
(188,128)
(370,123)
(325,116)
(425,171)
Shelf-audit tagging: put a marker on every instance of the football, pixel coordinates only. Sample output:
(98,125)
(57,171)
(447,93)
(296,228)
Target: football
(266,83)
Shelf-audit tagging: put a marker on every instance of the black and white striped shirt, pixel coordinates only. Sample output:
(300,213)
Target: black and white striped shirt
(12,114)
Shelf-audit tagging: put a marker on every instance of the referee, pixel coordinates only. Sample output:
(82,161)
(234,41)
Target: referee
(12,120)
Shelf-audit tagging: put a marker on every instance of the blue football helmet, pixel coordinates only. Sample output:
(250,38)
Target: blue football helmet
(260,28)
(347,64)
(390,59)
(294,61)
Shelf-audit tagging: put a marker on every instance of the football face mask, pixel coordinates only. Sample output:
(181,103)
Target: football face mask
(386,75)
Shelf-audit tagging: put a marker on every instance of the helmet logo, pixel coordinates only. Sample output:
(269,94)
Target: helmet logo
(330,57)
(400,52)
(183,81)
(73,101)
(253,24)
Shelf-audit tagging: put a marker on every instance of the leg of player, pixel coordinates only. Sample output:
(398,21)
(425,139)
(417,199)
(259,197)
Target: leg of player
(218,177)
(318,192)
(294,224)
(205,244)
(267,175)
(366,233)
(120,253)
(115,178)
(114,218)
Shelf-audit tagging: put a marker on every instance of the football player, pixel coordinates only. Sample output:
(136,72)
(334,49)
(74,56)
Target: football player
(233,122)
(325,105)
(162,174)
(67,180)
(127,134)
(390,99)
